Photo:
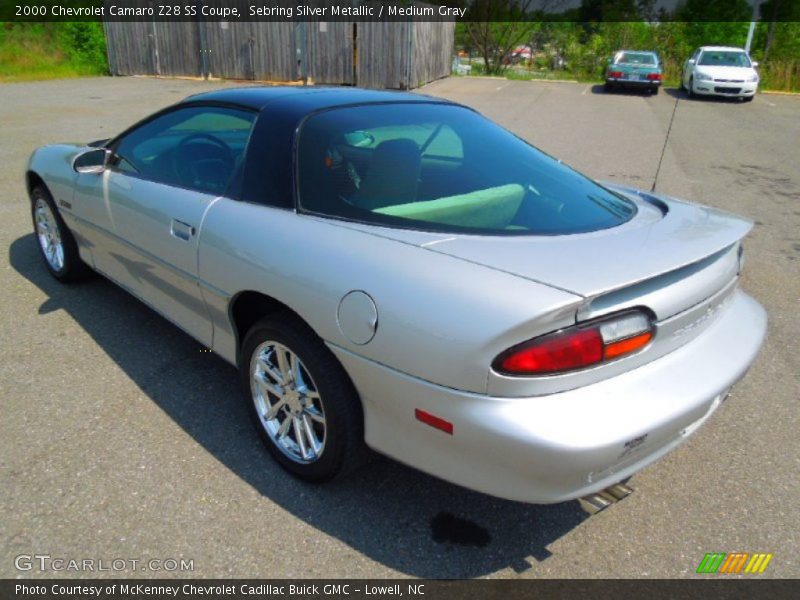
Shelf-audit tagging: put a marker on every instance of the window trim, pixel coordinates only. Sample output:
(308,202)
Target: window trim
(235,181)
(299,130)
(407,224)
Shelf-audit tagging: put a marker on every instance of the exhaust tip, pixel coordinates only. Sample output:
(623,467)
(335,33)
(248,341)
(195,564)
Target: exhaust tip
(619,491)
(594,503)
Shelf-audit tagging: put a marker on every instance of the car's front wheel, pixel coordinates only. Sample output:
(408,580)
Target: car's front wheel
(690,88)
(55,240)
(302,402)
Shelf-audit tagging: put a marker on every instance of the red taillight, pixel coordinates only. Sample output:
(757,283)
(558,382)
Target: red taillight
(559,352)
(577,347)
(654,76)
(616,74)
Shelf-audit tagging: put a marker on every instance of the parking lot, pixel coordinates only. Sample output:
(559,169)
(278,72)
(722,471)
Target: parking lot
(121,437)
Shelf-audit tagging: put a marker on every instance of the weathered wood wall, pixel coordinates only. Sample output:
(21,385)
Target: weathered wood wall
(329,52)
(432,58)
(383,54)
(397,55)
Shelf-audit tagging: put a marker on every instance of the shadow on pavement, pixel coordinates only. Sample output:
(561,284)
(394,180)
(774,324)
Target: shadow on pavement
(395,515)
(680,94)
(599,88)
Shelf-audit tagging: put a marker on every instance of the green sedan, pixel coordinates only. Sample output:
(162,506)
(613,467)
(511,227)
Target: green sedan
(634,69)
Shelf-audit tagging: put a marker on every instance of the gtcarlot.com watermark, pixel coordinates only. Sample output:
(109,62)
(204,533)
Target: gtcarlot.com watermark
(46,563)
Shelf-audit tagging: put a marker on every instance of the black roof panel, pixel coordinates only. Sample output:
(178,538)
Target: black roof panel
(312,98)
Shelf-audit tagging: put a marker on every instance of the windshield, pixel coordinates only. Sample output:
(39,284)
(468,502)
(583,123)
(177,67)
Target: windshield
(723,58)
(443,168)
(636,58)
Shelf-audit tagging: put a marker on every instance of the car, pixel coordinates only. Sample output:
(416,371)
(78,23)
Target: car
(634,69)
(720,71)
(393,271)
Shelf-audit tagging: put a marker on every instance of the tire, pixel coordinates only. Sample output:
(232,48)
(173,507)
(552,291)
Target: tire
(748,98)
(654,90)
(608,87)
(690,89)
(56,243)
(323,409)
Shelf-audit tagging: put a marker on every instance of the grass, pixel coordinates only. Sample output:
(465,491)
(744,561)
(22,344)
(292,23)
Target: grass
(30,52)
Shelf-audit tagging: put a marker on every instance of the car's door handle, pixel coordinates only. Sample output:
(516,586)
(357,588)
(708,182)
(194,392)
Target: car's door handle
(181,230)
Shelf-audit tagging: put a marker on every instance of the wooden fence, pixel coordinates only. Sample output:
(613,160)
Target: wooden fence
(395,55)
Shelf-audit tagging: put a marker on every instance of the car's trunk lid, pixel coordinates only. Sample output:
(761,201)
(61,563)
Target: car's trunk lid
(655,242)
(670,256)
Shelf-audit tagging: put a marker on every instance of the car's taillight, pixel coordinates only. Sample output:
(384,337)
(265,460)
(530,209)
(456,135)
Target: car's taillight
(579,346)
(654,76)
(615,74)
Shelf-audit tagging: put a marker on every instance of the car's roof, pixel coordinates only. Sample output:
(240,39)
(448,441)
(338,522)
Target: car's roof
(311,98)
(727,48)
(638,52)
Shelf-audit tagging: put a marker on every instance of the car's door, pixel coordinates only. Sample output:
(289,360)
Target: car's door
(161,179)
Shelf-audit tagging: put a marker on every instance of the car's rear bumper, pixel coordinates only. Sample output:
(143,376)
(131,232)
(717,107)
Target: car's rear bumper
(561,446)
(730,90)
(634,83)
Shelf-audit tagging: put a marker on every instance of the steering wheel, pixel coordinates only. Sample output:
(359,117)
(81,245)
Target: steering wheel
(188,167)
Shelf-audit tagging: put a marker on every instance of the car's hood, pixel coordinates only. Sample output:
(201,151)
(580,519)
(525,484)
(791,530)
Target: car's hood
(726,72)
(655,241)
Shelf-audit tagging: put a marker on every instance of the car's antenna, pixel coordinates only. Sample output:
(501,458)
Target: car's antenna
(664,149)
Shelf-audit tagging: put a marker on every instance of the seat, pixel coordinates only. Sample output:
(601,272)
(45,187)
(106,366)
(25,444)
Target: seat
(492,208)
(392,177)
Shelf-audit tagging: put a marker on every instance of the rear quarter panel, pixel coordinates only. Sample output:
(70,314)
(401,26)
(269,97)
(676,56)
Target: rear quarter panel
(440,319)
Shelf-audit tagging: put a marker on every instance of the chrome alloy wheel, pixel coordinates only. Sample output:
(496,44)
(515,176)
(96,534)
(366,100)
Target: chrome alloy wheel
(49,235)
(288,404)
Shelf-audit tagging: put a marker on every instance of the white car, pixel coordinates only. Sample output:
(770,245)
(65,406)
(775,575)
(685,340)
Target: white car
(720,71)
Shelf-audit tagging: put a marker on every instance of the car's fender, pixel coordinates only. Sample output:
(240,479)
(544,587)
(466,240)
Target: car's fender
(439,318)
(53,165)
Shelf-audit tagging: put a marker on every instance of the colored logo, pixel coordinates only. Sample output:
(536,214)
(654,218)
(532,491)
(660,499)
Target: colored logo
(735,562)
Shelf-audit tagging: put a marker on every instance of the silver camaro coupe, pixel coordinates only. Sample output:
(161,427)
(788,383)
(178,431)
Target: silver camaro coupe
(394,271)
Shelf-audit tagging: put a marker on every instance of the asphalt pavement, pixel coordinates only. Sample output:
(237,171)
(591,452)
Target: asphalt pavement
(121,438)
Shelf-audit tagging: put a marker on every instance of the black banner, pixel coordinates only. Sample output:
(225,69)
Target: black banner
(715,586)
(399,10)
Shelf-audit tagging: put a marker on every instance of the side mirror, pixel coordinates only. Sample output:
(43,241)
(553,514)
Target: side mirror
(690,61)
(755,64)
(91,161)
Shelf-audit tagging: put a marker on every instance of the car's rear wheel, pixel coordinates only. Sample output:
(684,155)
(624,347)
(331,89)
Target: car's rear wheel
(55,240)
(654,90)
(302,402)
(608,86)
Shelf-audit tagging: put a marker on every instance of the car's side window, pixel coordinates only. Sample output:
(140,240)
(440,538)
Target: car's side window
(198,147)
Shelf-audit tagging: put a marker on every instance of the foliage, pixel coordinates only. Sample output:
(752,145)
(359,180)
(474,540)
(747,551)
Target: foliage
(84,43)
(496,28)
(51,50)
(580,50)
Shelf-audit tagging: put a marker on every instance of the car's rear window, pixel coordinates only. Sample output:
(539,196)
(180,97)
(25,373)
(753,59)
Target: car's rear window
(443,168)
(636,58)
